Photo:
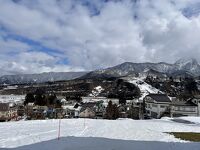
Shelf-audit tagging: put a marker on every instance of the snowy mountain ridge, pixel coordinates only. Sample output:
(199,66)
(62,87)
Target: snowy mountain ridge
(182,66)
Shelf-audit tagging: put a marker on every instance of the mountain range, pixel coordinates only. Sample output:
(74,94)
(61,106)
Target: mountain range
(181,68)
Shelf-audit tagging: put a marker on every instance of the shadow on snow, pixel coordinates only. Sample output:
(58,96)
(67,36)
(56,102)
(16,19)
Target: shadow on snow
(93,143)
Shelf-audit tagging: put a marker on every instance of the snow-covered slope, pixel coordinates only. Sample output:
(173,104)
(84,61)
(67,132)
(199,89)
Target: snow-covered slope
(15,134)
(143,86)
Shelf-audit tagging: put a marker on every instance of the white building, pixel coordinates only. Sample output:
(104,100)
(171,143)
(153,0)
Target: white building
(98,99)
(191,107)
(156,105)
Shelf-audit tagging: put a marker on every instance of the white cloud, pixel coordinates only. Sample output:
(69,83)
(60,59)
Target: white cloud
(33,62)
(120,31)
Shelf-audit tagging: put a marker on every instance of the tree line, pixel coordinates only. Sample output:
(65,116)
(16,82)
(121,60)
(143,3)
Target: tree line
(39,97)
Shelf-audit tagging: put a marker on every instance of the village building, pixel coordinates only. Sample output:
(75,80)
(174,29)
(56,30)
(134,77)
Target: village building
(39,112)
(50,113)
(122,111)
(190,107)
(33,111)
(71,110)
(157,105)
(87,113)
(134,112)
(97,99)
(134,109)
(100,109)
(29,110)
(59,113)
(20,110)
(8,111)
(88,110)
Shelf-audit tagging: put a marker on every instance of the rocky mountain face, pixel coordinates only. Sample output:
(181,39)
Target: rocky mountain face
(188,67)
(39,78)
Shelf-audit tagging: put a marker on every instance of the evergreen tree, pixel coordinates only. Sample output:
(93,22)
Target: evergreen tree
(58,104)
(190,86)
(109,110)
(112,111)
(29,98)
(115,112)
(40,99)
(51,99)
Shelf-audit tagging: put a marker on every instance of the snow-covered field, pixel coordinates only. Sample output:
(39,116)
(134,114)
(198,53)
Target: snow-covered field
(43,134)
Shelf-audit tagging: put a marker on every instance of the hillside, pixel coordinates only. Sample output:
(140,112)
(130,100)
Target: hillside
(87,134)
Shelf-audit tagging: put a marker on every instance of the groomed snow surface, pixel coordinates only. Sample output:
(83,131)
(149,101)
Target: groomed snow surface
(91,134)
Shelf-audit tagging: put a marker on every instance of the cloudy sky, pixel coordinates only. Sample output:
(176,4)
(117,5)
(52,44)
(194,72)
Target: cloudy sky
(75,35)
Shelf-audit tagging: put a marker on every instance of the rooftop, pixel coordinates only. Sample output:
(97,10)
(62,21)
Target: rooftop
(160,97)
(183,103)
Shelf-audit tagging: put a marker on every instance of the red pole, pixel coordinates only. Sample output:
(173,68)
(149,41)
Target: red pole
(59,129)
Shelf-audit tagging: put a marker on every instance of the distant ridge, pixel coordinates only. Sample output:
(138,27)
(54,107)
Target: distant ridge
(39,78)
